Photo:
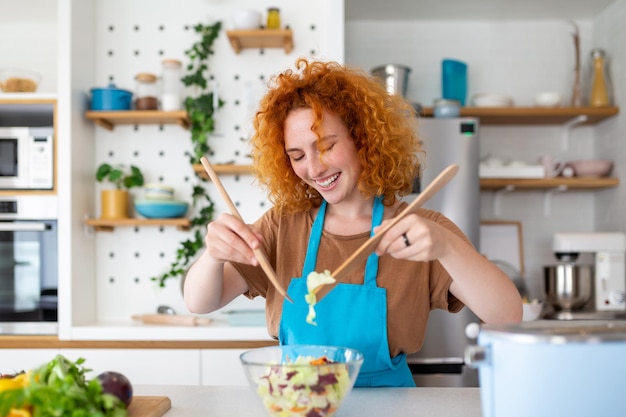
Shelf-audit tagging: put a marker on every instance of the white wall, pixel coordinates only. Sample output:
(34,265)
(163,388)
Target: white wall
(520,59)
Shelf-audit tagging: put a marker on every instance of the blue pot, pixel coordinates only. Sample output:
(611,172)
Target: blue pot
(551,367)
(111,98)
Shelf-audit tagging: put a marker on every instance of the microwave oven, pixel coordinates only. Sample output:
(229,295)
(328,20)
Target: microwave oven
(26,158)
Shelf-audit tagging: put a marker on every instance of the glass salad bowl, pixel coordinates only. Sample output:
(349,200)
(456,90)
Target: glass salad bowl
(302,380)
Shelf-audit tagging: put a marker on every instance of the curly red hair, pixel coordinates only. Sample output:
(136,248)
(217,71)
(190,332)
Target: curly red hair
(383,127)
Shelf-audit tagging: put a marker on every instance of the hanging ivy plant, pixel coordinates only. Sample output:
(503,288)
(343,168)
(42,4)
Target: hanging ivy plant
(201,107)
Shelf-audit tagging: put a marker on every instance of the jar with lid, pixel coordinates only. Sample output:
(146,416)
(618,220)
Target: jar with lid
(273,18)
(446,108)
(146,92)
(600,94)
(171,85)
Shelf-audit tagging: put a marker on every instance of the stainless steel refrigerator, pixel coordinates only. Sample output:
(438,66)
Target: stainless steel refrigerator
(449,141)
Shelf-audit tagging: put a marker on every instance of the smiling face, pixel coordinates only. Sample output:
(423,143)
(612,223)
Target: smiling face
(332,166)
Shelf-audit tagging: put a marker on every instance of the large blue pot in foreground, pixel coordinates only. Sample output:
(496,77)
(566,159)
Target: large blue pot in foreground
(551,368)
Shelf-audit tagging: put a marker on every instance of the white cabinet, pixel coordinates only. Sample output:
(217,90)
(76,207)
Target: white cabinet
(16,360)
(222,367)
(143,366)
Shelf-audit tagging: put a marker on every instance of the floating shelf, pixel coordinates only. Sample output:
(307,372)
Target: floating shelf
(547,183)
(224,169)
(261,38)
(108,225)
(108,119)
(532,115)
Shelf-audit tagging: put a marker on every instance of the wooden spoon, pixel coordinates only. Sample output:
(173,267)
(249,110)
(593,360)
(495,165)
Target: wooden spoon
(258,252)
(361,254)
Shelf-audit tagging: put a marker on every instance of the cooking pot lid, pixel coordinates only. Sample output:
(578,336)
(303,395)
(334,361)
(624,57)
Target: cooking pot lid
(110,87)
(576,331)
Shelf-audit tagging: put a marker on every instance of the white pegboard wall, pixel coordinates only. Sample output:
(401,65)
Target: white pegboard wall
(134,37)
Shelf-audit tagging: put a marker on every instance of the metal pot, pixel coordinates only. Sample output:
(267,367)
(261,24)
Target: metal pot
(568,285)
(395,77)
(545,368)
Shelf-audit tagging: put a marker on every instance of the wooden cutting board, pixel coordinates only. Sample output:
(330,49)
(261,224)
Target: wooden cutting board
(148,406)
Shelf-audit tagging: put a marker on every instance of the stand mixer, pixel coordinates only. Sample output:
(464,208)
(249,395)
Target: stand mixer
(598,291)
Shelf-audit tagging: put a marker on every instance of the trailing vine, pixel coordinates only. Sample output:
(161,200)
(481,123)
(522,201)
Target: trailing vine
(201,107)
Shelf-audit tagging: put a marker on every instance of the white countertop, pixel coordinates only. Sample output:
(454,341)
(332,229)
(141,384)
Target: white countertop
(222,401)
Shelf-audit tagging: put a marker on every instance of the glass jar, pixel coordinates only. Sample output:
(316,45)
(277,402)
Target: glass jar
(446,108)
(273,18)
(171,85)
(146,92)
(600,94)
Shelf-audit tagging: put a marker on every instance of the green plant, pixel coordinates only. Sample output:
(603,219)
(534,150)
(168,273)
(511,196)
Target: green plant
(200,108)
(119,176)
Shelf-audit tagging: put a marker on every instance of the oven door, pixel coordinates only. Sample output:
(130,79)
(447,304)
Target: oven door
(28,271)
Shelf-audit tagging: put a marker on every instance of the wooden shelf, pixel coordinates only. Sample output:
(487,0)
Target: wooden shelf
(532,115)
(224,169)
(108,119)
(261,38)
(548,183)
(108,225)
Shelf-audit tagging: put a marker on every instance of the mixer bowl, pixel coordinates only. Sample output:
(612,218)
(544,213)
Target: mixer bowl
(568,285)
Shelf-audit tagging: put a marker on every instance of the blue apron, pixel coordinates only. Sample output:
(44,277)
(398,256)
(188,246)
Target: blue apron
(351,315)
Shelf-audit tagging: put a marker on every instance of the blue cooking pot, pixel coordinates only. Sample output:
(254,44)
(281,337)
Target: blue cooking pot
(111,98)
(551,368)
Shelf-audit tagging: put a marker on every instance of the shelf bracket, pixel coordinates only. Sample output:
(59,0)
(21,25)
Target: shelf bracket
(497,204)
(567,127)
(547,198)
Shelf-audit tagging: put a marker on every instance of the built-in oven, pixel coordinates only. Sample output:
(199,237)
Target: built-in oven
(28,261)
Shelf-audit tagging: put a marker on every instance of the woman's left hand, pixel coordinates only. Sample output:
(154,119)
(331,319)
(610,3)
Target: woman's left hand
(414,238)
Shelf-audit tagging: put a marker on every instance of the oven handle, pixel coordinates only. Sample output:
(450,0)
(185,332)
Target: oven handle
(24,226)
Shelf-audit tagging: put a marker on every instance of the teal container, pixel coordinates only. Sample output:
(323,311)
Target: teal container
(454,80)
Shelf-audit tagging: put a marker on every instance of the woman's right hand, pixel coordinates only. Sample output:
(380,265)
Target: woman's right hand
(228,239)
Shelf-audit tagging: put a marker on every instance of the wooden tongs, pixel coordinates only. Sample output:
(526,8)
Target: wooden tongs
(366,249)
(258,252)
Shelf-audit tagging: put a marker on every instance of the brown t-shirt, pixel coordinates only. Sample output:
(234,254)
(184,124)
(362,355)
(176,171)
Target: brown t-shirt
(413,288)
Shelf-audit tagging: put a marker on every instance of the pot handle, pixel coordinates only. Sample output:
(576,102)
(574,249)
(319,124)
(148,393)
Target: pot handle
(476,355)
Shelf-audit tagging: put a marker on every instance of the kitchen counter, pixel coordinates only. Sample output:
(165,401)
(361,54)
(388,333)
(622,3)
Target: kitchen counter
(222,401)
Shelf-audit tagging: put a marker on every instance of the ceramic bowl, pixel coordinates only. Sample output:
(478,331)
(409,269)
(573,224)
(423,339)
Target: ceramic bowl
(247,19)
(492,100)
(295,380)
(548,99)
(158,192)
(532,310)
(591,167)
(161,209)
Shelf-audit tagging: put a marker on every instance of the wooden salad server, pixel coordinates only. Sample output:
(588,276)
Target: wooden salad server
(361,254)
(258,252)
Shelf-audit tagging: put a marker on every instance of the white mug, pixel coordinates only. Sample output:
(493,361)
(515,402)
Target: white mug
(552,166)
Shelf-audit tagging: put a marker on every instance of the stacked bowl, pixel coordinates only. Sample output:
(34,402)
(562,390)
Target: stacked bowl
(159,203)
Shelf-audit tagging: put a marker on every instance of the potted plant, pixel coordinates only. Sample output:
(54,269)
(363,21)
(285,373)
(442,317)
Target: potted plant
(201,106)
(114,202)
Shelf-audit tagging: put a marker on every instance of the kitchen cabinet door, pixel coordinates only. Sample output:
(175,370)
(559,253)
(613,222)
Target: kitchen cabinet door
(14,360)
(143,366)
(222,367)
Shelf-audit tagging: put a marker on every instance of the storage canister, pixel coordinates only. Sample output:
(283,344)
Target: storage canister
(146,92)
(171,85)
(395,77)
(273,18)
(551,368)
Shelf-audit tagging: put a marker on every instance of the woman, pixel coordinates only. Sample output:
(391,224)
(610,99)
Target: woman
(335,152)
